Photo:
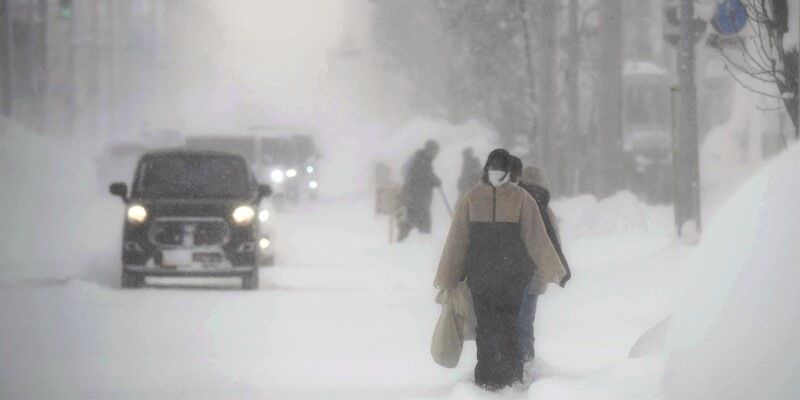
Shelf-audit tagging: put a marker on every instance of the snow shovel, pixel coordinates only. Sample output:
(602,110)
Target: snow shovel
(446,203)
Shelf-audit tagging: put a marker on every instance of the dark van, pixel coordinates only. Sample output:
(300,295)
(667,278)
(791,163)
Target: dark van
(191,213)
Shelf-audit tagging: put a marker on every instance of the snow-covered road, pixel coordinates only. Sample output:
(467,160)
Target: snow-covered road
(342,315)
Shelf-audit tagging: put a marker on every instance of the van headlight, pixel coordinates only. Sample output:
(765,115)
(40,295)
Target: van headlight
(243,215)
(137,214)
(263,215)
(277,176)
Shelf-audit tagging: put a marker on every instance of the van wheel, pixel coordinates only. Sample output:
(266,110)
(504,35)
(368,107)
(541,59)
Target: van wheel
(250,281)
(132,280)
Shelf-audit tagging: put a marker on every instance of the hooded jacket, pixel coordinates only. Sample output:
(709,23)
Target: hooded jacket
(479,215)
(534,181)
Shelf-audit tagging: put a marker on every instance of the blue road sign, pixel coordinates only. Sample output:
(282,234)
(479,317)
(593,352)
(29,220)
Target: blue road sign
(731,17)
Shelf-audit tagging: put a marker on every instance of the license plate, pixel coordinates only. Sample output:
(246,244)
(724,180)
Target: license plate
(208,260)
(176,258)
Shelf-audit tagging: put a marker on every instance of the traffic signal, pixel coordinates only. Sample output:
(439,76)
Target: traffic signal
(66,8)
(672,24)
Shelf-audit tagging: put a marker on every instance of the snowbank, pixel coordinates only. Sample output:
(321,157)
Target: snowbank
(734,336)
(732,152)
(54,219)
(623,213)
(620,227)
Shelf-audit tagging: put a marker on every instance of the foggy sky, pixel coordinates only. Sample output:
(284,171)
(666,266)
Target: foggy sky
(269,61)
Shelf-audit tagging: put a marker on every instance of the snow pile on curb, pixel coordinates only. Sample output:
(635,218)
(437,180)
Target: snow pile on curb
(602,230)
(734,336)
(623,213)
(732,152)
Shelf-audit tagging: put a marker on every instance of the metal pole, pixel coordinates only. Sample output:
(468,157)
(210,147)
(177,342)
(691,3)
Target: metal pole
(688,164)
(5,60)
(676,189)
(446,202)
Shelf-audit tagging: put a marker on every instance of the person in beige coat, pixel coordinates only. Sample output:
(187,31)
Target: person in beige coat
(497,241)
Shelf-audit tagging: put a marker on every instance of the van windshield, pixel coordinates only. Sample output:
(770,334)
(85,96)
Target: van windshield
(191,176)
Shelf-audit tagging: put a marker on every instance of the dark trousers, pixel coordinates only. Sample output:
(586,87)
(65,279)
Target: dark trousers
(416,217)
(527,314)
(500,360)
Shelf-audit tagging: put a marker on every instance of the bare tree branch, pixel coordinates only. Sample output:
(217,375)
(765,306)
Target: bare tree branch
(748,87)
(760,64)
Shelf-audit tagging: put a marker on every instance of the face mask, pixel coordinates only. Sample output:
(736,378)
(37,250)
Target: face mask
(497,178)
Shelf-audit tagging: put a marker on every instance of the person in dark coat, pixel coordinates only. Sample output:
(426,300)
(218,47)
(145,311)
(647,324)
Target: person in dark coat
(496,238)
(533,180)
(470,171)
(417,193)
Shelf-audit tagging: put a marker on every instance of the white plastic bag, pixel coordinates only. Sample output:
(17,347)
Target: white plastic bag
(447,343)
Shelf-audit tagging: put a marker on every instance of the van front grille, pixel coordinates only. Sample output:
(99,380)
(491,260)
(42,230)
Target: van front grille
(189,232)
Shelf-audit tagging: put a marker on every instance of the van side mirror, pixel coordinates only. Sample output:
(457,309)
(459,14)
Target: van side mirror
(119,189)
(264,191)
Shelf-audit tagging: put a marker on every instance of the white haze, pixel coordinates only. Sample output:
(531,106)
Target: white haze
(344,314)
(266,62)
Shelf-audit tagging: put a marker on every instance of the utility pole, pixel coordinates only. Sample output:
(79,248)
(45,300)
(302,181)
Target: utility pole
(687,162)
(5,59)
